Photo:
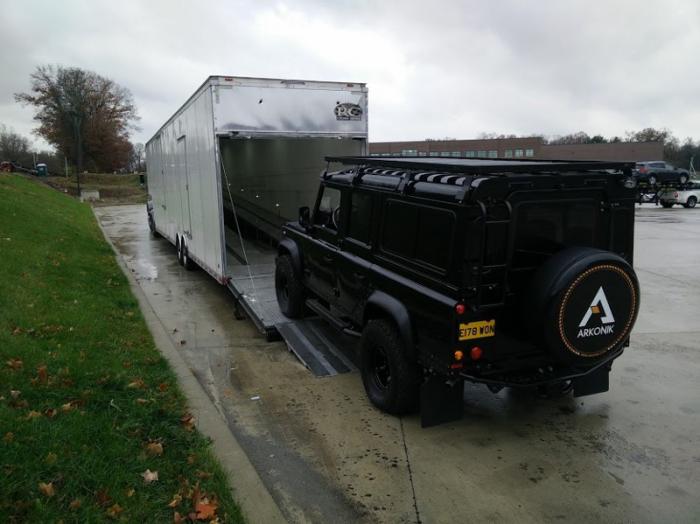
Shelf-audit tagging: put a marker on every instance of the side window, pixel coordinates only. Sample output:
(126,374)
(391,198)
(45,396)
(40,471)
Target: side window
(328,212)
(419,233)
(360,217)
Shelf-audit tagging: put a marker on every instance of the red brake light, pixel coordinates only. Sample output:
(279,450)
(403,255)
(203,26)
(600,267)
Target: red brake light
(642,169)
(476,353)
(460,309)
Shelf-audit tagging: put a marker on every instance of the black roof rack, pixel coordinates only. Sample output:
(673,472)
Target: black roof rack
(480,166)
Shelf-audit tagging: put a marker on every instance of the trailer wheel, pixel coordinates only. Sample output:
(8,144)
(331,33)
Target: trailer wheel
(288,288)
(692,202)
(178,248)
(152,226)
(391,380)
(187,262)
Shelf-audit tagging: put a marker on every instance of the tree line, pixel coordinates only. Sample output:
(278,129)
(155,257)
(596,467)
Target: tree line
(85,117)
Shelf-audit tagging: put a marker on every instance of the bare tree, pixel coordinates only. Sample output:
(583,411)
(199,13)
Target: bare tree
(13,146)
(82,114)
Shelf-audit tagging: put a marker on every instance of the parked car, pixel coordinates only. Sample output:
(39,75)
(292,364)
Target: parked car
(460,269)
(660,173)
(688,196)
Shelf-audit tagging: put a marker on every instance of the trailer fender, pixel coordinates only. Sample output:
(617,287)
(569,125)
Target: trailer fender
(287,246)
(379,304)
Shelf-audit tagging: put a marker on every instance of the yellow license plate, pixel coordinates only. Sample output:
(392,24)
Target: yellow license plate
(478,329)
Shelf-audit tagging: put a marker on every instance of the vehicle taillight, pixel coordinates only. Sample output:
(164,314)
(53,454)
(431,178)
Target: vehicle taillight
(476,353)
(642,169)
(675,195)
(460,309)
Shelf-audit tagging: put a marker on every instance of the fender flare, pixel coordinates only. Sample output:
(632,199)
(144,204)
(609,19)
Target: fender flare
(287,246)
(380,304)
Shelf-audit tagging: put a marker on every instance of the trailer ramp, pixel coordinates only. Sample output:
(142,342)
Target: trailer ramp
(321,348)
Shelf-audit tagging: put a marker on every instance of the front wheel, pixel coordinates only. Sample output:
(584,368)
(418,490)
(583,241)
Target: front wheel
(391,380)
(692,202)
(289,289)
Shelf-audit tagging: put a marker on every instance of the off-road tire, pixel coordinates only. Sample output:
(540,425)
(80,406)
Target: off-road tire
(288,287)
(691,203)
(400,392)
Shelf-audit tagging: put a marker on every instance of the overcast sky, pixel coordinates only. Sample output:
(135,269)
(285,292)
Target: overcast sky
(433,68)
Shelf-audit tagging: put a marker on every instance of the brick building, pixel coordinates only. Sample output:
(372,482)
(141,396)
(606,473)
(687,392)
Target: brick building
(520,148)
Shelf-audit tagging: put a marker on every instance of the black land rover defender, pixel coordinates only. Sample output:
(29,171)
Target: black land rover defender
(507,273)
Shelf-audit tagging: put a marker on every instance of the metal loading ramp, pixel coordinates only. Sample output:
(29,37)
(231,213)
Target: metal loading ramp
(321,348)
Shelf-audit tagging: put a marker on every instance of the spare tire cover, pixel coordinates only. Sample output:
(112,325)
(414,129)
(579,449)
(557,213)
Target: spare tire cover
(587,301)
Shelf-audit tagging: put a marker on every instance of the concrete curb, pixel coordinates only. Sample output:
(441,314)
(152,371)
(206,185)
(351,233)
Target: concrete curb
(250,493)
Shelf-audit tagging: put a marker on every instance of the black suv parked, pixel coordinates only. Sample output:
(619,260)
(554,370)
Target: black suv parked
(507,273)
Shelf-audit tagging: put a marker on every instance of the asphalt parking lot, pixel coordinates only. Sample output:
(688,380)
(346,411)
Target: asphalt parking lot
(629,455)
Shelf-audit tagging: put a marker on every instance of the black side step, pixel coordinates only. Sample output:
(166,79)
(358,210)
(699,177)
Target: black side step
(322,311)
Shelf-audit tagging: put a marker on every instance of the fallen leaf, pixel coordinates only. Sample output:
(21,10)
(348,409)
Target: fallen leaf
(177,498)
(15,363)
(67,407)
(50,412)
(75,504)
(103,498)
(42,374)
(149,476)
(154,449)
(141,401)
(130,492)
(191,459)
(33,414)
(177,518)
(205,510)
(114,511)
(47,489)
(187,421)
(51,458)
(17,331)
(9,437)
(163,386)
(202,474)
(14,393)
(136,384)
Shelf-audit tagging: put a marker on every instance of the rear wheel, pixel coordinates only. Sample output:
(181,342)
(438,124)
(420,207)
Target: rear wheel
(288,287)
(667,204)
(692,202)
(178,249)
(391,380)
(187,262)
(652,180)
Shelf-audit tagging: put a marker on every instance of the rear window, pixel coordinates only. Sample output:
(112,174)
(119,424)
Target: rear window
(545,228)
(419,233)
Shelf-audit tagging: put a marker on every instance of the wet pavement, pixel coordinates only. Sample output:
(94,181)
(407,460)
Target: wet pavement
(629,455)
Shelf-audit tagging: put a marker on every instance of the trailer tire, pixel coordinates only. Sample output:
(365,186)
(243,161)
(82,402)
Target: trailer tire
(152,226)
(178,248)
(288,288)
(391,380)
(187,262)
(691,203)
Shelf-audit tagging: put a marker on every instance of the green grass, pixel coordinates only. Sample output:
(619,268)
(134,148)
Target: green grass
(83,390)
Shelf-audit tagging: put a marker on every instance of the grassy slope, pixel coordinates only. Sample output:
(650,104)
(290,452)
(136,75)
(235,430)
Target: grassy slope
(123,189)
(65,305)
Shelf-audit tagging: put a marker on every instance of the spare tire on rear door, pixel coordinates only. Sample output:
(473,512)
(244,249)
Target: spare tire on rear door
(585,302)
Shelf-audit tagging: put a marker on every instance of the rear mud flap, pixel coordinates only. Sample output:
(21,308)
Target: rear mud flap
(597,381)
(440,402)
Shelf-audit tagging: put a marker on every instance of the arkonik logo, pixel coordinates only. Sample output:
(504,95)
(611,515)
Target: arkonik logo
(598,305)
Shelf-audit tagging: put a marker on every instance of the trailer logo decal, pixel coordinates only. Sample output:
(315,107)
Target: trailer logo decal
(348,111)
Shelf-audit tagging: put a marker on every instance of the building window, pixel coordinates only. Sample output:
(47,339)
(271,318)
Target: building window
(530,152)
(456,153)
(374,154)
(509,153)
(518,153)
(470,154)
(422,153)
(433,153)
(493,154)
(444,153)
(481,154)
(409,152)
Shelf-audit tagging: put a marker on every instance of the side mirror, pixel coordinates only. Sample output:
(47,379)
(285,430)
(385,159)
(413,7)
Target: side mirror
(304,217)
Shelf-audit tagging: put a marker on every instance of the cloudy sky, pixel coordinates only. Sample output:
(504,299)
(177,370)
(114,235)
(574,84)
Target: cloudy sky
(433,68)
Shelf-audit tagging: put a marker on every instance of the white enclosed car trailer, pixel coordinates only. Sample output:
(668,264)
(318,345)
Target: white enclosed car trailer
(246,153)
